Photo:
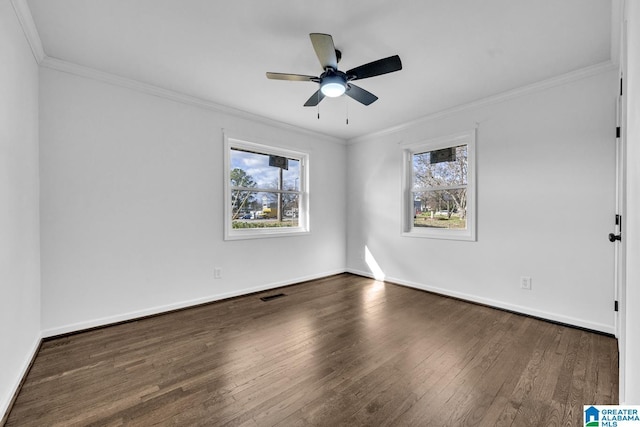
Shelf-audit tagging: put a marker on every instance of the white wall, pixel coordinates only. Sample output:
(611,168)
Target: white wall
(631,233)
(19,219)
(132,206)
(545,193)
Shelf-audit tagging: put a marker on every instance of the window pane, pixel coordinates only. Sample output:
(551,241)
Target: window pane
(266,191)
(440,209)
(266,210)
(242,202)
(259,170)
(439,188)
(440,168)
(291,177)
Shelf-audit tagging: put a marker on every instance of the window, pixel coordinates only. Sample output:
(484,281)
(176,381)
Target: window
(440,189)
(265,191)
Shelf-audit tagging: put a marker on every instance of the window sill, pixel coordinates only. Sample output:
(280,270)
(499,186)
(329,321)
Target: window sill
(264,233)
(444,234)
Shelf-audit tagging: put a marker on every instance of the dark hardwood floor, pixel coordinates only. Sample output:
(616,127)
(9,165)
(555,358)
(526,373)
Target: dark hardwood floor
(344,350)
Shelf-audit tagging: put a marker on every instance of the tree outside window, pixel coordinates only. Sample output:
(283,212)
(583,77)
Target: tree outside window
(440,181)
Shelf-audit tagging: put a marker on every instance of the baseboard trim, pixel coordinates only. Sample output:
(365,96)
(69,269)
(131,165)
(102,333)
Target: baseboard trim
(160,310)
(22,376)
(573,322)
(164,309)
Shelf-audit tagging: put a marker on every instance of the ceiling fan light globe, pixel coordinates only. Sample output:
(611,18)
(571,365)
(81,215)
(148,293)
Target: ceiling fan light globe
(333,90)
(333,86)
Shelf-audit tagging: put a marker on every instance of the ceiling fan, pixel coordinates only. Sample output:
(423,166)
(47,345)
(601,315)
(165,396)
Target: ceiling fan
(333,82)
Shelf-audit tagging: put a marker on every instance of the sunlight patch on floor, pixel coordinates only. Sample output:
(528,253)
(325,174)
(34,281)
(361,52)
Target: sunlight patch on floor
(373,265)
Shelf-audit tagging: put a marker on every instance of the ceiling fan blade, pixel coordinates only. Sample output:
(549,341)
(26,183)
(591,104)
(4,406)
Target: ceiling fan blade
(291,77)
(376,68)
(325,50)
(360,95)
(315,99)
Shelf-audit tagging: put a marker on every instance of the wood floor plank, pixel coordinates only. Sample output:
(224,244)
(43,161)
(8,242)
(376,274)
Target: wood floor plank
(342,350)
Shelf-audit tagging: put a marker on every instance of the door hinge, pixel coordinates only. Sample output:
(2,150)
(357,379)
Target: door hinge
(615,306)
(620,86)
(618,132)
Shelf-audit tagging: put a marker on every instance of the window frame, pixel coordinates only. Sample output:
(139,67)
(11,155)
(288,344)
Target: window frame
(467,138)
(236,142)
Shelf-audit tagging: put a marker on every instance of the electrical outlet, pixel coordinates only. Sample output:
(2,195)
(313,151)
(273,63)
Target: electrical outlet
(217,273)
(525,282)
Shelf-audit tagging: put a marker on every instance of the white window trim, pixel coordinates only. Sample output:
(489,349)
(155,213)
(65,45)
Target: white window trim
(408,230)
(231,141)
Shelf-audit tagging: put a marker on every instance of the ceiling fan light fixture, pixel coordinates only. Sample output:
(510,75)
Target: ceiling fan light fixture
(333,82)
(333,86)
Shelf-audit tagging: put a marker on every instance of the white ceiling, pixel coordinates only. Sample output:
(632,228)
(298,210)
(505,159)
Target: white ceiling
(453,51)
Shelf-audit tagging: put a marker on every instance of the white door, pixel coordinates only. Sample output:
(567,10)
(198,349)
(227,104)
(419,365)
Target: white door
(617,236)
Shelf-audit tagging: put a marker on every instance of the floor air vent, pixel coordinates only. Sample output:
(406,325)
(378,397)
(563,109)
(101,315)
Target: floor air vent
(271,297)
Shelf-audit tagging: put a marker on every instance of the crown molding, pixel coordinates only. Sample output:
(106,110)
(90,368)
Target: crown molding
(560,80)
(149,89)
(23,13)
(109,78)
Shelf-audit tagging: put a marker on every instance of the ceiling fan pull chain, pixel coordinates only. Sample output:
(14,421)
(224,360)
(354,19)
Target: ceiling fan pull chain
(346,102)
